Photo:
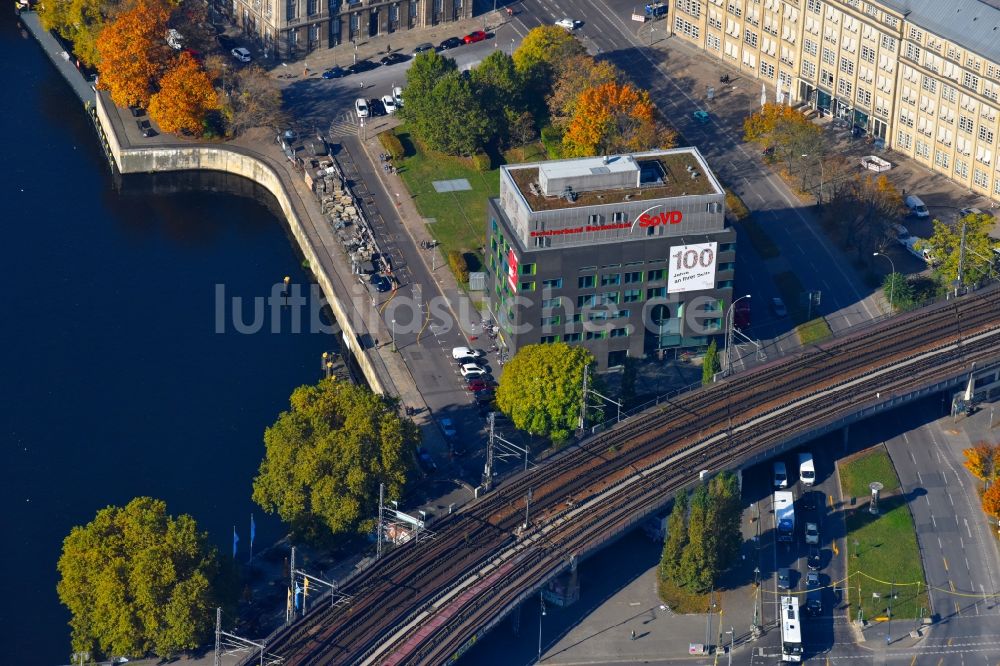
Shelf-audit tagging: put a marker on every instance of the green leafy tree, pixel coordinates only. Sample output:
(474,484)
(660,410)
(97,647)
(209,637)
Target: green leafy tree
(138,581)
(327,455)
(723,518)
(498,87)
(456,123)
(898,288)
(424,74)
(711,364)
(542,387)
(676,539)
(945,244)
(695,571)
(538,57)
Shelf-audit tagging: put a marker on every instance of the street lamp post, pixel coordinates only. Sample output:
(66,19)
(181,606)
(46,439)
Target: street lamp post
(892,280)
(730,325)
(393,335)
(541,601)
(511,54)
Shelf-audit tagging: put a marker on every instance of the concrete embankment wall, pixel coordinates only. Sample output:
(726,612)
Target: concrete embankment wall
(219,158)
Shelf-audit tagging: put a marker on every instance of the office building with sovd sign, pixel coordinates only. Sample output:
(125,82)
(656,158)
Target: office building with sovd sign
(628,255)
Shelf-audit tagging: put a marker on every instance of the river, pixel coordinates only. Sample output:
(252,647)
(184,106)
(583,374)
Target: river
(115,381)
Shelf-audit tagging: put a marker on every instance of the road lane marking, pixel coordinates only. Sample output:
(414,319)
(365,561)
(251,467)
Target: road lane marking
(968,529)
(946,565)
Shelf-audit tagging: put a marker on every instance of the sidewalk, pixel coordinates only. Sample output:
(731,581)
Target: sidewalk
(373,48)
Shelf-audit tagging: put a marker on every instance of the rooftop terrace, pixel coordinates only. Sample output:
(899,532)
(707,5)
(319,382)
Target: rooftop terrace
(666,175)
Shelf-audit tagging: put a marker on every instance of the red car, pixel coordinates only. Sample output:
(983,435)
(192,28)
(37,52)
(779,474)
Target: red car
(477,385)
(476,36)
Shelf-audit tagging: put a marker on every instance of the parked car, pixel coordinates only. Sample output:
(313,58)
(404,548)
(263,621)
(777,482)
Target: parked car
(450,43)
(377,107)
(568,23)
(459,352)
(812,579)
(420,48)
(397,96)
(362,66)
(477,385)
(785,579)
(780,475)
(810,501)
(812,533)
(814,559)
(389,103)
(778,307)
(241,54)
(361,108)
(701,117)
(472,370)
(465,360)
(426,461)
(394,58)
(335,73)
(473,37)
(916,206)
(741,316)
(973,211)
(448,428)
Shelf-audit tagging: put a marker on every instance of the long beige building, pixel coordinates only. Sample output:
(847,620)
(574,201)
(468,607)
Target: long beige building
(294,28)
(923,75)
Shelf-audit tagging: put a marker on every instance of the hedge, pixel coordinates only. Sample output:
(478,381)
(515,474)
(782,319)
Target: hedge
(481,161)
(458,266)
(392,144)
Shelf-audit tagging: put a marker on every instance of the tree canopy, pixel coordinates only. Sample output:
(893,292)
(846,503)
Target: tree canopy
(132,52)
(539,54)
(865,207)
(982,459)
(250,98)
(79,21)
(185,97)
(703,534)
(541,388)
(573,76)
(614,118)
(327,455)
(138,581)
(945,245)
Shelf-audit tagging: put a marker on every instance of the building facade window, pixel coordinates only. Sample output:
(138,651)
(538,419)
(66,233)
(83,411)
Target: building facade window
(808,69)
(868,54)
(965,123)
(980,178)
(291,11)
(631,295)
(844,88)
(655,275)
(610,280)
(810,47)
(941,159)
(970,81)
(633,277)
(767,70)
(922,150)
(846,65)
(904,140)
(750,38)
(685,28)
(985,134)
(961,168)
(585,282)
(929,84)
(713,42)
(864,97)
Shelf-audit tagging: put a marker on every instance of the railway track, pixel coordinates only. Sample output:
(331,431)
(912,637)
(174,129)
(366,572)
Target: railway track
(699,430)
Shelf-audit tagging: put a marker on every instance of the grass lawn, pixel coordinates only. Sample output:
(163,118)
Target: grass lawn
(813,331)
(681,600)
(886,553)
(459,217)
(858,472)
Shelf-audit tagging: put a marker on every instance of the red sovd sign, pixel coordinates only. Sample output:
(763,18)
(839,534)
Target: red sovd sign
(672,217)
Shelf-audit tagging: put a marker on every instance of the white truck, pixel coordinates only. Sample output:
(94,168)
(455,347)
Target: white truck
(918,248)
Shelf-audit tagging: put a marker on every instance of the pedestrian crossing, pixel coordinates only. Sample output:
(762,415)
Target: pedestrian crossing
(344,124)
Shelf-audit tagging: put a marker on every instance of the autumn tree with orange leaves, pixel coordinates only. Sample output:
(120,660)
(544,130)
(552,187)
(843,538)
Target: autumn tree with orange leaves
(981,460)
(615,118)
(185,97)
(133,52)
(991,501)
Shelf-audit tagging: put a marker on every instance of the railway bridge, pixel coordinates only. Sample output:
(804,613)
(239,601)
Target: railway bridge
(426,603)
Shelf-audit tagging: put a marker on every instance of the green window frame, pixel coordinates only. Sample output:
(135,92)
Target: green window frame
(655,275)
(528,286)
(549,339)
(555,283)
(631,295)
(656,292)
(633,277)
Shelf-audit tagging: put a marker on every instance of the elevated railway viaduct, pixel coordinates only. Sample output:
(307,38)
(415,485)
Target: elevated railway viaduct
(425,603)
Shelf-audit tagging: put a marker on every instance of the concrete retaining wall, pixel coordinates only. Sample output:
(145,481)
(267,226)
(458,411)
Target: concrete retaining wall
(219,158)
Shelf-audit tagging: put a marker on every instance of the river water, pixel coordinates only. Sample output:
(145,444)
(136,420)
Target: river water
(115,382)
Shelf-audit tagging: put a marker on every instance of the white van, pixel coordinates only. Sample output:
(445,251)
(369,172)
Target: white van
(916,206)
(780,475)
(807,470)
